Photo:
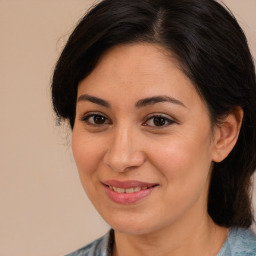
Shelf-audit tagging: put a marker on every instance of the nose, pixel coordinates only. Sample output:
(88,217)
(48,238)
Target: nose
(124,152)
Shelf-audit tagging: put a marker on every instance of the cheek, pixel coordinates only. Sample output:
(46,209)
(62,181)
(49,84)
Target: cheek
(183,160)
(184,168)
(86,153)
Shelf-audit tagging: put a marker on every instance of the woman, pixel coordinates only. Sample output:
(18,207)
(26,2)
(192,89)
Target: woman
(160,97)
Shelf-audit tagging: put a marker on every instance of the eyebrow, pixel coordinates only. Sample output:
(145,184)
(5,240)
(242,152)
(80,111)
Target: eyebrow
(141,103)
(93,99)
(158,99)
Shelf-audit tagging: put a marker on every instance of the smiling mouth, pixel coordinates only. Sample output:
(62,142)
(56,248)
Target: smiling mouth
(129,190)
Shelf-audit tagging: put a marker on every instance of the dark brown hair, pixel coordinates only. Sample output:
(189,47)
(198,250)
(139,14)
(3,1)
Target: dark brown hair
(212,51)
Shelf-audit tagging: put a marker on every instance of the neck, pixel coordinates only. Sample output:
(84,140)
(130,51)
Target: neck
(197,238)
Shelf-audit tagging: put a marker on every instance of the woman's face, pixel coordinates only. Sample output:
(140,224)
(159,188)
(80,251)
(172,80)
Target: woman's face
(143,141)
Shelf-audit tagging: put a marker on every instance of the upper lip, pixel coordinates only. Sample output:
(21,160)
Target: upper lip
(128,183)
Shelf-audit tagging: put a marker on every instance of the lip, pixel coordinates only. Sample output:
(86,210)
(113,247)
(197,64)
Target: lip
(128,183)
(128,198)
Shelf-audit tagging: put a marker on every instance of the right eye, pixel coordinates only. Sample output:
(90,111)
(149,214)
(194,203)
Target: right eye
(95,119)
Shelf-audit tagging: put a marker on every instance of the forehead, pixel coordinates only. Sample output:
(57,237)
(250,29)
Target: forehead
(142,59)
(138,70)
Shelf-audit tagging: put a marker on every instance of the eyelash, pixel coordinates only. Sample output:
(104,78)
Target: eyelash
(167,121)
(87,117)
(162,118)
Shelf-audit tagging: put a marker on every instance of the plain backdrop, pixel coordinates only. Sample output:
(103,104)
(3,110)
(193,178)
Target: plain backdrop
(43,208)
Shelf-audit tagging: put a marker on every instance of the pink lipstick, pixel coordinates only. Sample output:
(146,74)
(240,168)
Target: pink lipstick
(128,192)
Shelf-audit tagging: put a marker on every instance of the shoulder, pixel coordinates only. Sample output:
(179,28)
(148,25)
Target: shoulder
(240,242)
(100,247)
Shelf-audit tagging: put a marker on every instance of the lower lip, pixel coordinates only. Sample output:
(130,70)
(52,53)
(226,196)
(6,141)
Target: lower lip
(128,198)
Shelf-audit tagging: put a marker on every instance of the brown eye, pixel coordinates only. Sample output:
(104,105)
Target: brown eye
(158,121)
(99,119)
(95,119)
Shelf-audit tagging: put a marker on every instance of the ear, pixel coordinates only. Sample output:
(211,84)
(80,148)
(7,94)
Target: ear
(226,134)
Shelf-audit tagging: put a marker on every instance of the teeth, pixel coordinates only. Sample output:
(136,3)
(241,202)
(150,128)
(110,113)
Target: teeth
(119,190)
(127,190)
(137,189)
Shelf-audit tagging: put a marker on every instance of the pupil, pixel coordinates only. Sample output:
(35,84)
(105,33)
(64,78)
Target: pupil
(159,121)
(99,119)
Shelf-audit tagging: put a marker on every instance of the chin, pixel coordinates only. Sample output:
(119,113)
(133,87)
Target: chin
(130,225)
(131,229)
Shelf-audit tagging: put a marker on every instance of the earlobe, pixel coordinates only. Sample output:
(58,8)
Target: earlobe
(226,134)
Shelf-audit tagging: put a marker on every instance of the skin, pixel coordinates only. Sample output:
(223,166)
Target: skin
(126,144)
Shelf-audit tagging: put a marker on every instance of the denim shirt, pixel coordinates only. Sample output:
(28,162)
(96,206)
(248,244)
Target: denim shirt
(100,247)
(240,242)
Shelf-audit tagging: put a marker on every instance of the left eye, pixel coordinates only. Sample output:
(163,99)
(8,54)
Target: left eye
(158,121)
